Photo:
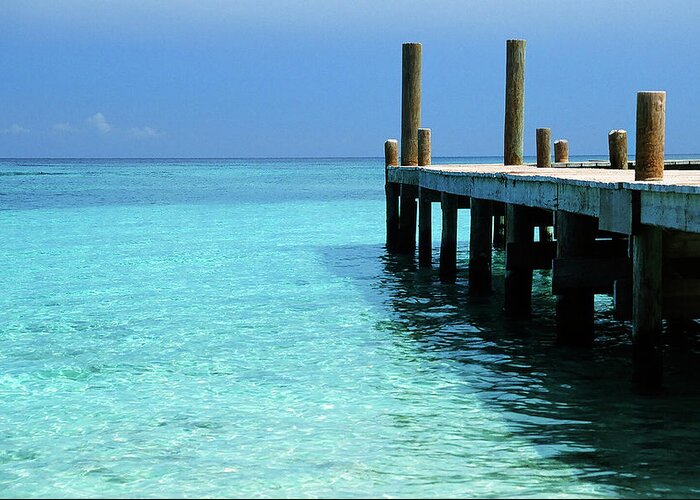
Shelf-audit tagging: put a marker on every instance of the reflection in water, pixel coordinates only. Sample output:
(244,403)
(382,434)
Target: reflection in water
(575,405)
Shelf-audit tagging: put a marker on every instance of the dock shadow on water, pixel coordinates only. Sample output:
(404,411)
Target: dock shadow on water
(575,406)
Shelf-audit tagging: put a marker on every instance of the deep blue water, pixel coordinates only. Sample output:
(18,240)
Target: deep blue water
(235,328)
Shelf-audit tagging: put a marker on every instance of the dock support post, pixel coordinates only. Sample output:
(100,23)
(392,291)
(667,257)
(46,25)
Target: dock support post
(448,242)
(499,226)
(575,308)
(561,151)
(393,190)
(480,247)
(410,121)
(425,206)
(647,247)
(544,160)
(617,145)
(518,281)
(646,307)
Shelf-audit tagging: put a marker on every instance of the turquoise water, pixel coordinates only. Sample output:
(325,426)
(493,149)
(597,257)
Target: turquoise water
(235,328)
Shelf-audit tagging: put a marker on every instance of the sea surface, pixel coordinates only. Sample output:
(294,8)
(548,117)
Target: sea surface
(236,328)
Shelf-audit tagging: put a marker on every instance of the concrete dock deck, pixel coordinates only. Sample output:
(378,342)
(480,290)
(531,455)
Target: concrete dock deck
(612,196)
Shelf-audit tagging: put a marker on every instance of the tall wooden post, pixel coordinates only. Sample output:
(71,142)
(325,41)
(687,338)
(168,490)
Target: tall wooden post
(519,229)
(651,130)
(561,151)
(617,145)
(513,136)
(575,308)
(425,209)
(480,247)
(448,242)
(544,160)
(393,190)
(410,121)
(647,246)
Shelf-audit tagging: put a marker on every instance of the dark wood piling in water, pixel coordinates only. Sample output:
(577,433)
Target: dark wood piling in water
(575,307)
(499,225)
(448,243)
(647,250)
(480,247)
(425,204)
(617,146)
(410,122)
(519,229)
(393,191)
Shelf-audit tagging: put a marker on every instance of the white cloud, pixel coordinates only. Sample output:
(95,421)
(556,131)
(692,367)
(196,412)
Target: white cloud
(63,128)
(146,132)
(99,121)
(15,130)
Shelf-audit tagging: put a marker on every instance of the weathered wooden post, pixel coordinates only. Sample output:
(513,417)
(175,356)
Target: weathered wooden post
(544,160)
(410,121)
(651,130)
(561,151)
(424,146)
(513,135)
(448,242)
(617,146)
(519,228)
(425,212)
(647,246)
(393,190)
(480,247)
(544,152)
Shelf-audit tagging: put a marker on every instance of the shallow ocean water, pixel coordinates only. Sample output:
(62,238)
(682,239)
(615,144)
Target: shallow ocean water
(235,328)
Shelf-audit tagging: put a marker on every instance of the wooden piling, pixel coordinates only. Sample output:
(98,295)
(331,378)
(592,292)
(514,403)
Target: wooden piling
(647,250)
(424,147)
(518,278)
(513,136)
(480,247)
(519,229)
(425,211)
(393,191)
(408,215)
(499,226)
(651,123)
(410,121)
(575,308)
(561,151)
(647,354)
(448,242)
(617,145)
(544,152)
(410,102)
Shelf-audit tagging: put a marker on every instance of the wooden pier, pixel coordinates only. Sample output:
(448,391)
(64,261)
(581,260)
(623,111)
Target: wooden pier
(630,229)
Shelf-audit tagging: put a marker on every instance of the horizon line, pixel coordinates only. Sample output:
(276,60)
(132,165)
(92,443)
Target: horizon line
(269,157)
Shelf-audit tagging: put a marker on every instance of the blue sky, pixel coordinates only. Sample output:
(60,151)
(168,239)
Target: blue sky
(322,77)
